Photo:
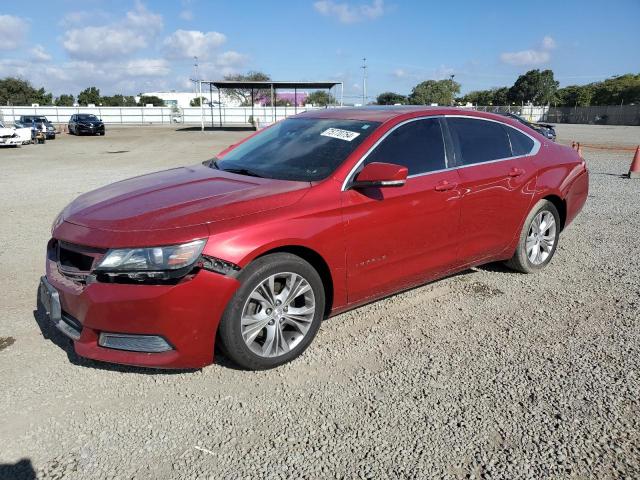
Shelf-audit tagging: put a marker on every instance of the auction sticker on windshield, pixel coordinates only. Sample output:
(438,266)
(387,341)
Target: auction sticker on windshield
(340,134)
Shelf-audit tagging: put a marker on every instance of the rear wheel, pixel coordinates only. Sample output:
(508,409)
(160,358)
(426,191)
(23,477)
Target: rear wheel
(538,239)
(275,314)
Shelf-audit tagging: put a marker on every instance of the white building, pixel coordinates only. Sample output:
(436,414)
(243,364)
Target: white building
(183,99)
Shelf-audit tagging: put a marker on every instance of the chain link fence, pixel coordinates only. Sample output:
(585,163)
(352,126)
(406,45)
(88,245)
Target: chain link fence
(597,115)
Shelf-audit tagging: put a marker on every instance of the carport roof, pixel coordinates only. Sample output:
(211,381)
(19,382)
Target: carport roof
(268,84)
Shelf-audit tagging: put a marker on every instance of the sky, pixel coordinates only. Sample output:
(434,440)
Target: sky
(133,46)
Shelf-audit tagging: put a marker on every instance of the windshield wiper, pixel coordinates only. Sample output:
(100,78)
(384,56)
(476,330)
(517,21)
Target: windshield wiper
(242,171)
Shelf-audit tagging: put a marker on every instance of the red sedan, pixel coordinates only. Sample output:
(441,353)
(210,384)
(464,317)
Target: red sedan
(316,215)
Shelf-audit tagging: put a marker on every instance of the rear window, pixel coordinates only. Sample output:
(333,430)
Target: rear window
(521,144)
(479,140)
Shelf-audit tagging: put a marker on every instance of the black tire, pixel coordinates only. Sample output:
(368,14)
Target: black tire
(229,332)
(520,260)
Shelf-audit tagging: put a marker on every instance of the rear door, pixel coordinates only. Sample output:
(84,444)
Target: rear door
(497,181)
(398,236)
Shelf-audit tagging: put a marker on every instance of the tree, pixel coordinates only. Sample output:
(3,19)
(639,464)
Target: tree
(391,98)
(118,100)
(89,96)
(15,91)
(244,94)
(535,86)
(151,99)
(195,102)
(493,96)
(441,92)
(500,96)
(64,100)
(575,95)
(320,98)
(479,97)
(619,90)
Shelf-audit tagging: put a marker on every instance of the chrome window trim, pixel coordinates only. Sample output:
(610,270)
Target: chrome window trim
(534,150)
(349,176)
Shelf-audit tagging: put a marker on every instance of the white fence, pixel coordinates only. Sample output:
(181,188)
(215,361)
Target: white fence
(532,113)
(227,116)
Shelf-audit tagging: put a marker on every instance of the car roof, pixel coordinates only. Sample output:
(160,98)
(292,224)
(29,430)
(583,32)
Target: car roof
(383,114)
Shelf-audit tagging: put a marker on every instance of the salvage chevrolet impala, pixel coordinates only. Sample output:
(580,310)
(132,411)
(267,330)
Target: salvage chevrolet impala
(318,214)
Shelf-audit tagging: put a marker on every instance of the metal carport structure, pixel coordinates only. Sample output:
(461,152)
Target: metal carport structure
(273,86)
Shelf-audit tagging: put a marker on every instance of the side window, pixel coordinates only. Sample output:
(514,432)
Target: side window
(479,140)
(520,143)
(417,145)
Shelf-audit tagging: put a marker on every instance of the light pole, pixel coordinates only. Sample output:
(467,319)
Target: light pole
(451,86)
(364,81)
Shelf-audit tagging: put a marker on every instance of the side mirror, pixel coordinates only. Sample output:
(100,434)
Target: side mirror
(379,174)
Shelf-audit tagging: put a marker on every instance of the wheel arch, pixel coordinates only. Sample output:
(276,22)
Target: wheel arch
(561,206)
(317,261)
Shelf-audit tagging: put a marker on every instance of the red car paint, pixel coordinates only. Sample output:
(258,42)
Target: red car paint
(368,245)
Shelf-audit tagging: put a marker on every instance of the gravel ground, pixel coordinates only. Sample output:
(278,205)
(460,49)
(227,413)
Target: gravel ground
(488,374)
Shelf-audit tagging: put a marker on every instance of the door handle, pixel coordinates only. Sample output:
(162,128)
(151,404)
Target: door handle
(516,172)
(445,185)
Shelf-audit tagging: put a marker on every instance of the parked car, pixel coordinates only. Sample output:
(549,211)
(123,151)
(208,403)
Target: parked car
(14,136)
(37,122)
(543,129)
(81,123)
(9,137)
(313,216)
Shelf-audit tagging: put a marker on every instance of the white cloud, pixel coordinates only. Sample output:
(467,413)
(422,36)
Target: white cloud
(39,54)
(525,57)
(13,31)
(99,43)
(347,13)
(531,57)
(105,42)
(193,43)
(142,19)
(186,15)
(400,73)
(548,43)
(148,67)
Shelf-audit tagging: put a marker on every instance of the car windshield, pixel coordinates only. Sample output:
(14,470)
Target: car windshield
(300,149)
(91,118)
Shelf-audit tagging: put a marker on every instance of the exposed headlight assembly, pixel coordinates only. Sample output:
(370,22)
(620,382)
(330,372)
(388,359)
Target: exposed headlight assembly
(161,263)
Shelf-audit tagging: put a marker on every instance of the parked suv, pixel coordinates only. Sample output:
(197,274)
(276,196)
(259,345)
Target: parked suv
(310,217)
(81,123)
(38,122)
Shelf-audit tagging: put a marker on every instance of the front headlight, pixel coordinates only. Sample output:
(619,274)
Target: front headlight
(151,259)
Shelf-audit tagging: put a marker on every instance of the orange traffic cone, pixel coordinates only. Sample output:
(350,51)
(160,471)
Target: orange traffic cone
(579,149)
(634,169)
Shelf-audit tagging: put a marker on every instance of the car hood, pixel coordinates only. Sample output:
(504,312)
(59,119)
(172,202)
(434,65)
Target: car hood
(7,132)
(180,197)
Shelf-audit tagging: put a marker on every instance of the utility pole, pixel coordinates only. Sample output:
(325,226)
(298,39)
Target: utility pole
(451,86)
(195,75)
(364,81)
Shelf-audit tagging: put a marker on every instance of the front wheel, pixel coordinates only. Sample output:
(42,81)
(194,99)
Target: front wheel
(275,314)
(538,239)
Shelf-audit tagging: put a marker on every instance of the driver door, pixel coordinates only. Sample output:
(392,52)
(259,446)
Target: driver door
(400,236)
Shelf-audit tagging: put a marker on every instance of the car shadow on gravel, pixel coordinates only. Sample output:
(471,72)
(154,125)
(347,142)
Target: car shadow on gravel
(50,332)
(21,470)
(617,175)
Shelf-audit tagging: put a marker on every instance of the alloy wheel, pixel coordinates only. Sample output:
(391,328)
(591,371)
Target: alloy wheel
(541,238)
(278,314)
